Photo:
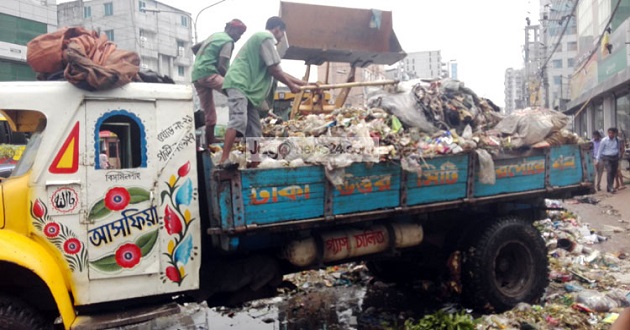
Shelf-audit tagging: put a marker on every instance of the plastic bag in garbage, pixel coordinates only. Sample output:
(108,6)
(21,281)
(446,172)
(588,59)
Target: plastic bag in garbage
(401,105)
(531,125)
(487,175)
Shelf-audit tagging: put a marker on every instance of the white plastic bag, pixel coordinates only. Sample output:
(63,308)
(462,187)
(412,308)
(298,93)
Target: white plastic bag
(487,175)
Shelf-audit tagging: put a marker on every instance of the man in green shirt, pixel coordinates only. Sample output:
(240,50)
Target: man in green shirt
(249,81)
(211,65)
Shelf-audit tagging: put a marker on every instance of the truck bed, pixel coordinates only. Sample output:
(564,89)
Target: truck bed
(289,198)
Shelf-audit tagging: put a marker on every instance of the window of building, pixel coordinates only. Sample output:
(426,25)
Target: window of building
(14,71)
(181,71)
(110,34)
(180,43)
(571,46)
(557,64)
(18,30)
(120,138)
(87,12)
(184,20)
(557,80)
(141,6)
(109,8)
(570,62)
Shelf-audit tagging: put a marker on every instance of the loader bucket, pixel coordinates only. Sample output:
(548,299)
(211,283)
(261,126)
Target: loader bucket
(318,34)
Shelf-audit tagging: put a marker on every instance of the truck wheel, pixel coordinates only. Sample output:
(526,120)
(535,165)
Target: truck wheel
(16,315)
(505,265)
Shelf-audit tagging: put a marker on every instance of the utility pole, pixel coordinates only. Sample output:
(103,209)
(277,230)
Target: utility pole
(544,75)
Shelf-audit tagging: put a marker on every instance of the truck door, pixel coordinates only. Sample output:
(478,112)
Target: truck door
(122,219)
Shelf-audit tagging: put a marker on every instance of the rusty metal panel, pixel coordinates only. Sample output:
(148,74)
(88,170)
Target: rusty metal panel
(318,34)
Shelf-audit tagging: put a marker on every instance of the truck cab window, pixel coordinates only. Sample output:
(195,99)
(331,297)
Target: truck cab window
(120,142)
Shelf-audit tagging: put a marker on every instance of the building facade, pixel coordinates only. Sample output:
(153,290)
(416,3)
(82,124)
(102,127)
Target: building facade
(423,65)
(514,90)
(560,33)
(160,34)
(600,84)
(21,21)
(337,73)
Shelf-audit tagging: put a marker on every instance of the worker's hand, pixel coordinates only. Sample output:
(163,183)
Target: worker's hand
(294,88)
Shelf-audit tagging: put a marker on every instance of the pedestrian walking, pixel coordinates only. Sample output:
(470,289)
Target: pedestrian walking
(619,185)
(608,152)
(599,166)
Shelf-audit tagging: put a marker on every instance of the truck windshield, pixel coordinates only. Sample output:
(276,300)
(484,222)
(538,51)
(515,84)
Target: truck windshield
(28,157)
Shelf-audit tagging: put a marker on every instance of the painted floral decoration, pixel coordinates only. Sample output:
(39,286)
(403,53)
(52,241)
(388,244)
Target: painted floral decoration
(62,237)
(51,229)
(177,220)
(117,198)
(128,255)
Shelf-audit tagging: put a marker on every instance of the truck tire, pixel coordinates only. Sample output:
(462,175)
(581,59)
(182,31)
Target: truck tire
(16,315)
(505,265)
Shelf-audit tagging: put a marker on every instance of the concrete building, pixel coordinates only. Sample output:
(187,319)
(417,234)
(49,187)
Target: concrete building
(514,90)
(560,37)
(452,69)
(534,53)
(600,84)
(21,21)
(423,65)
(160,34)
(337,73)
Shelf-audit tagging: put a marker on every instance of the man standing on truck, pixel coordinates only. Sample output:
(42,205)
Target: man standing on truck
(249,81)
(211,65)
(608,152)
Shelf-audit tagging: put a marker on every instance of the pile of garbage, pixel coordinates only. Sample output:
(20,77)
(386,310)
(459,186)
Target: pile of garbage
(426,120)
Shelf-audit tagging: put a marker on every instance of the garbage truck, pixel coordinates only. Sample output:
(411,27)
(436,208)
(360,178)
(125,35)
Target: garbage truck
(88,246)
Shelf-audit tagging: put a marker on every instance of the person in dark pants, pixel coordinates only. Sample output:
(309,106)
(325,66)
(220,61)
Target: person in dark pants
(599,167)
(609,154)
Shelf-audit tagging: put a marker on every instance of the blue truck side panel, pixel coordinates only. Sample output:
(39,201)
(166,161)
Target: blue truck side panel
(367,187)
(442,179)
(514,175)
(566,165)
(276,195)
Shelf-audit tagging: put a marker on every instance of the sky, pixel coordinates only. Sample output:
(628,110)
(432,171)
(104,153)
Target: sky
(485,37)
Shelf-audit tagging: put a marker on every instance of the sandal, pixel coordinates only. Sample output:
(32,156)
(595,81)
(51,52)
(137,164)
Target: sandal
(227,166)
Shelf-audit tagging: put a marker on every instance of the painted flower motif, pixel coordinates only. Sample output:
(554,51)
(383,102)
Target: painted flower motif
(128,255)
(117,199)
(173,274)
(184,250)
(38,209)
(184,169)
(72,246)
(184,194)
(172,222)
(51,229)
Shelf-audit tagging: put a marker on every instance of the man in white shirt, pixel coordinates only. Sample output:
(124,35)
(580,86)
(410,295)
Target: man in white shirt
(608,152)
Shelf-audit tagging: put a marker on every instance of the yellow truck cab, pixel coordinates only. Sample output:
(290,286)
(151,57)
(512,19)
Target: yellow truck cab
(75,233)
